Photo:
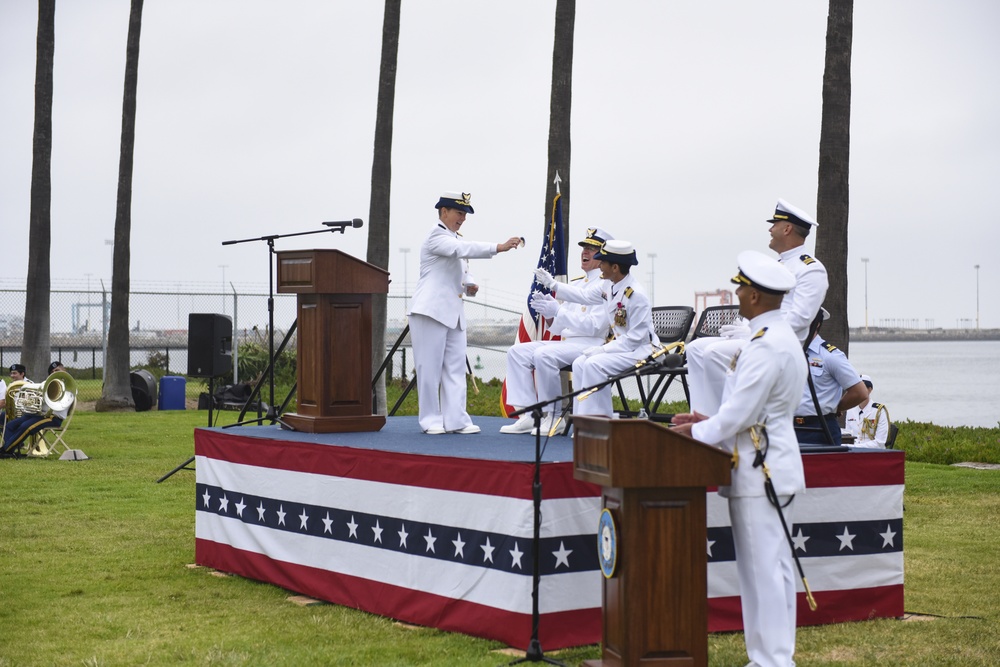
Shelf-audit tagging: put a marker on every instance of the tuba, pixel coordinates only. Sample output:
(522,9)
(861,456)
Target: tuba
(56,394)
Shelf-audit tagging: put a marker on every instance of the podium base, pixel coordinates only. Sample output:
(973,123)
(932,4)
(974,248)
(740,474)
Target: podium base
(353,424)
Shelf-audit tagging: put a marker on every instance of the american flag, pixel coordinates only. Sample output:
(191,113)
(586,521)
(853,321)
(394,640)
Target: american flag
(553,259)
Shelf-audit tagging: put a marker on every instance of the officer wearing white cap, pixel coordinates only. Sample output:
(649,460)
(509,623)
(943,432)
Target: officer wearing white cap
(869,421)
(758,402)
(838,389)
(631,336)
(708,358)
(533,367)
(437,317)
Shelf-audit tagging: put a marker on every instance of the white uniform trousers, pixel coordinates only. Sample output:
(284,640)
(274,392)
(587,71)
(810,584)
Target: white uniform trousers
(439,361)
(767,579)
(546,358)
(708,360)
(589,371)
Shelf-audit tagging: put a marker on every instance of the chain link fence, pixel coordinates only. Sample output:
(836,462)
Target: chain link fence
(158,339)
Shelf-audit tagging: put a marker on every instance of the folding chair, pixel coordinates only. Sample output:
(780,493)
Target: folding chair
(43,441)
(671,324)
(712,319)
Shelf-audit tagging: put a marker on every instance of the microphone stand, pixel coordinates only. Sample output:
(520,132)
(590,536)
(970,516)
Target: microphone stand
(534,652)
(272,414)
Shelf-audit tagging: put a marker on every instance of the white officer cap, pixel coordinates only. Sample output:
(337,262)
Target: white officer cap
(617,252)
(867,380)
(596,237)
(785,212)
(761,272)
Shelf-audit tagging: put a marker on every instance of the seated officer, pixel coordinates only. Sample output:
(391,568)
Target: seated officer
(838,388)
(868,422)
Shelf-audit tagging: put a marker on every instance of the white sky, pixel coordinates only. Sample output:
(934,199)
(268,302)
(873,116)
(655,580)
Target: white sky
(690,118)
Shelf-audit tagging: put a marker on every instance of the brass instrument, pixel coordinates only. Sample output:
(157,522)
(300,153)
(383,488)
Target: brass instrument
(56,394)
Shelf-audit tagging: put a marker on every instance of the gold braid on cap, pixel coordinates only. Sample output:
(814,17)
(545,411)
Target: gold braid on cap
(465,199)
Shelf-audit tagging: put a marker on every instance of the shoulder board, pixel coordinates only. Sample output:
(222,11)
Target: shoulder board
(628,292)
(830,347)
(877,405)
(759,334)
(573,280)
(806,259)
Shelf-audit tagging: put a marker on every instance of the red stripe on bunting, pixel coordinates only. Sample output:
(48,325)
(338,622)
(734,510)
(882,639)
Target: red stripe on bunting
(836,606)
(556,630)
(495,478)
(875,468)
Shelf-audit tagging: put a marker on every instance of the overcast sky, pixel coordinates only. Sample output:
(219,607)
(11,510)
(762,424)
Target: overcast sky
(690,118)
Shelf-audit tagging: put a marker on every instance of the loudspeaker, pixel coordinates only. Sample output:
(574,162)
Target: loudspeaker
(210,345)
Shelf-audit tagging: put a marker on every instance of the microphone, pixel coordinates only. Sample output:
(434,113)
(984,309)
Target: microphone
(341,225)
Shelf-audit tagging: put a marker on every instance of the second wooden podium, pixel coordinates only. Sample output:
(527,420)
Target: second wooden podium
(652,538)
(335,338)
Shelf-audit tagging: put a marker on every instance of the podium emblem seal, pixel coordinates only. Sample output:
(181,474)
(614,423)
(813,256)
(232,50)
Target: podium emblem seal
(607,543)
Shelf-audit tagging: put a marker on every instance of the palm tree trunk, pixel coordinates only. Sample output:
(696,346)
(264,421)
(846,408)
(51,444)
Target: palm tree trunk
(833,193)
(36,344)
(378,210)
(560,105)
(117,393)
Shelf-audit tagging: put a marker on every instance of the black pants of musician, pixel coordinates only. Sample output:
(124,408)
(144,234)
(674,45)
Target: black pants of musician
(21,427)
(809,430)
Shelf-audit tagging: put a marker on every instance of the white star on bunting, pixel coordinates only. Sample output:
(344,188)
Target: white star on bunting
(846,540)
(800,540)
(327,524)
(260,511)
(430,539)
(562,555)
(515,555)
(377,529)
(353,527)
(281,515)
(303,519)
(223,504)
(487,551)
(710,543)
(402,535)
(240,506)
(459,546)
(887,537)
(206,497)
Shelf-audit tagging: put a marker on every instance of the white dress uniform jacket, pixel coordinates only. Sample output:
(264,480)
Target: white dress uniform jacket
(869,425)
(633,340)
(437,328)
(579,325)
(804,300)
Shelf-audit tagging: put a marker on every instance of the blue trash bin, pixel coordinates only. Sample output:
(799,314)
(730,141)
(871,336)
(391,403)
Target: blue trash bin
(172,390)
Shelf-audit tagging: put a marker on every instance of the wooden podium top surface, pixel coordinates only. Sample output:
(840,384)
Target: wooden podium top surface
(327,271)
(629,453)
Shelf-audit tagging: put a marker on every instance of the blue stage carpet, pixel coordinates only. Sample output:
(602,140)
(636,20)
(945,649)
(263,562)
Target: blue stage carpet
(403,435)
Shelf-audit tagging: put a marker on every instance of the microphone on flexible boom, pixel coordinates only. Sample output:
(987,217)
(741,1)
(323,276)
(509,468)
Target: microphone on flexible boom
(341,225)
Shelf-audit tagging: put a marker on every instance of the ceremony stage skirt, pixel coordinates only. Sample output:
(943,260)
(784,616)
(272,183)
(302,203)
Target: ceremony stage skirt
(437,530)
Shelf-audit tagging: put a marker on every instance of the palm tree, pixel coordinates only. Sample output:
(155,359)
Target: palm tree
(117,393)
(378,210)
(833,193)
(560,104)
(35,348)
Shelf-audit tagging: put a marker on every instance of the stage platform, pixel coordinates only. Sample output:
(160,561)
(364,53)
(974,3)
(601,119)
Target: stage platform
(437,530)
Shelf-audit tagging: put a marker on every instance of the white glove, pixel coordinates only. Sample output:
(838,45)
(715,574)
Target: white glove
(544,305)
(591,351)
(739,330)
(544,278)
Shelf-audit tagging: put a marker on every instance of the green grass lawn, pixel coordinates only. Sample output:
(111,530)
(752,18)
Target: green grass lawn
(94,571)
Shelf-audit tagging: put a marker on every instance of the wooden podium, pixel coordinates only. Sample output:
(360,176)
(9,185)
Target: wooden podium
(654,484)
(334,340)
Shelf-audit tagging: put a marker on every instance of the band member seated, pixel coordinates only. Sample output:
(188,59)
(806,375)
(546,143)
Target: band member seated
(21,427)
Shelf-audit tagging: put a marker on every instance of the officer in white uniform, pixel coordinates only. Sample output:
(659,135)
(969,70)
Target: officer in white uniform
(708,358)
(761,392)
(631,335)
(868,422)
(533,367)
(437,317)
(838,389)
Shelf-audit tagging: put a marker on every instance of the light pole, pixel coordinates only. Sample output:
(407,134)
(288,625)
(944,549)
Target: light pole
(864,260)
(977,297)
(652,277)
(223,267)
(406,281)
